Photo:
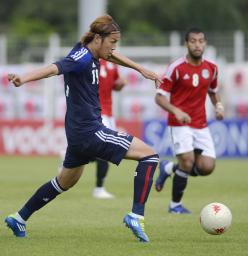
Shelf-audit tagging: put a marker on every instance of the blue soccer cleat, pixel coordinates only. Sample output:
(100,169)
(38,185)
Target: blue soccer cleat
(162,175)
(137,226)
(18,228)
(180,209)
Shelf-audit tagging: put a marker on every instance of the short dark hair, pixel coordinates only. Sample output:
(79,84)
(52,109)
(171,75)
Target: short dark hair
(192,30)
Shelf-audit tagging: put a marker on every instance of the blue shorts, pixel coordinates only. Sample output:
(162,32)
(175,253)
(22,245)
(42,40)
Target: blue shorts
(105,144)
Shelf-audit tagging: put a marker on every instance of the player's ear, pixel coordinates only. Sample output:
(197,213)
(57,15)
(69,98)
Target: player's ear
(98,38)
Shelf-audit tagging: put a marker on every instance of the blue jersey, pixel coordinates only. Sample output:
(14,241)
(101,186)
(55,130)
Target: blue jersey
(83,115)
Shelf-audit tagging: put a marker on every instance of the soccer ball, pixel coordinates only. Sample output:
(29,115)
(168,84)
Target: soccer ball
(215,218)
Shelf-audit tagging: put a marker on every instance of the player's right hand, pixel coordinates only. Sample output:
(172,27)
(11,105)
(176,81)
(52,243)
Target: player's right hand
(152,76)
(15,79)
(182,117)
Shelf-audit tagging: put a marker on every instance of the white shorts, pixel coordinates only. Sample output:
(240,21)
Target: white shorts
(109,122)
(186,139)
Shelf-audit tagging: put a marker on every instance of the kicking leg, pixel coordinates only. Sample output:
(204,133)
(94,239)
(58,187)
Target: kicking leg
(45,194)
(143,179)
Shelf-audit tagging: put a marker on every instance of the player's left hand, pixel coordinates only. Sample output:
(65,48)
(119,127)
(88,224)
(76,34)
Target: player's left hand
(219,111)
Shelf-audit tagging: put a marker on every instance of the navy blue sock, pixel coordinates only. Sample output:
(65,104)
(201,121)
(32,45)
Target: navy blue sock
(45,194)
(101,172)
(143,182)
(175,167)
(179,184)
(195,171)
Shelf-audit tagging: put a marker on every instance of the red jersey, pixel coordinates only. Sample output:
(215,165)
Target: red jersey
(108,76)
(188,86)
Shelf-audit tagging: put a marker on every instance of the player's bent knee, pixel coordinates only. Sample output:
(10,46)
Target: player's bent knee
(207,168)
(186,165)
(149,152)
(206,172)
(196,171)
(152,152)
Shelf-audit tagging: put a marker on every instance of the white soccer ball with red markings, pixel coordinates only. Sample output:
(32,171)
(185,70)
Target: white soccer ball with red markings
(215,218)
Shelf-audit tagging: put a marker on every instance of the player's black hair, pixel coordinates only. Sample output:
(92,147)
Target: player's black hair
(193,30)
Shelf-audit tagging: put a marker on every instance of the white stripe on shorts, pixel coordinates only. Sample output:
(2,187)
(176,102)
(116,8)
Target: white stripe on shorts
(106,140)
(113,139)
(116,138)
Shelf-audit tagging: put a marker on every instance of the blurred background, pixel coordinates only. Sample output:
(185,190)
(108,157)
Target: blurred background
(35,33)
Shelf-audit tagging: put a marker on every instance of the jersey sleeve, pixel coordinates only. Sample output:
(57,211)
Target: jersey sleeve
(169,80)
(214,83)
(74,62)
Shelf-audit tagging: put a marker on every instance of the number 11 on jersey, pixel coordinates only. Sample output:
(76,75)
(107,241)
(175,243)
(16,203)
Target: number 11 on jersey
(95,78)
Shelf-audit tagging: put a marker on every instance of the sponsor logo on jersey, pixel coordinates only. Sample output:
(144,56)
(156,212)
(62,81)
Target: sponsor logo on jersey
(186,77)
(205,73)
(122,134)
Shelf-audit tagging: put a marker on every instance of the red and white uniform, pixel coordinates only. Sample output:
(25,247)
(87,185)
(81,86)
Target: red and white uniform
(108,76)
(188,86)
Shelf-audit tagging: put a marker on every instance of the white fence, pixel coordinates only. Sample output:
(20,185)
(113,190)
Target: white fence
(45,99)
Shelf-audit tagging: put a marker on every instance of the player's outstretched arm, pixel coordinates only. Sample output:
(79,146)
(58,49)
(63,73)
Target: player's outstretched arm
(126,62)
(37,74)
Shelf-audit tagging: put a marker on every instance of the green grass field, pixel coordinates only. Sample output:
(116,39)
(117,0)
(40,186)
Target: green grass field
(77,224)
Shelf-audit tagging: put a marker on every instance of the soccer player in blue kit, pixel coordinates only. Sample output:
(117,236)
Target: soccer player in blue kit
(87,137)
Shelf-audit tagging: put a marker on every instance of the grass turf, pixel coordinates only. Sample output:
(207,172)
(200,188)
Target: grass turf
(77,224)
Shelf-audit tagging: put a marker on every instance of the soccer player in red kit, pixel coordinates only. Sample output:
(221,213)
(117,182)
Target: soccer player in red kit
(109,81)
(183,93)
